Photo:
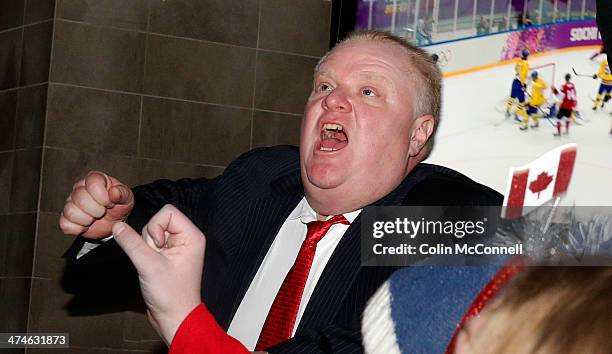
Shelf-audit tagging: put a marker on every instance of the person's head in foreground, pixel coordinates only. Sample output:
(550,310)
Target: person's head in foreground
(545,310)
(369,120)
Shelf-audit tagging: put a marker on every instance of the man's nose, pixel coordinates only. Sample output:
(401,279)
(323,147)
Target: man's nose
(337,101)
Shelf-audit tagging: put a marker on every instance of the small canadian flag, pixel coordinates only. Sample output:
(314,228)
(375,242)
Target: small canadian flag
(539,181)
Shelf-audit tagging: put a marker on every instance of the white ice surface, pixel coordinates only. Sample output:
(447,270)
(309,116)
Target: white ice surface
(472,140)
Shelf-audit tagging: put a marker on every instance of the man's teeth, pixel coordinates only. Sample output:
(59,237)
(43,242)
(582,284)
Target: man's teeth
(332,126)
(327,149)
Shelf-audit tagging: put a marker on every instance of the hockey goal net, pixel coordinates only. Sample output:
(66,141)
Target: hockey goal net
(547,72)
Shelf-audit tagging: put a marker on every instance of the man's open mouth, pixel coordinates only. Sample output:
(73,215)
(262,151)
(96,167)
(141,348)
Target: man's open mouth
(333,137)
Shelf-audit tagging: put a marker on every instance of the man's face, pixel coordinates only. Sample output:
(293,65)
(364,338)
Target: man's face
(357,126)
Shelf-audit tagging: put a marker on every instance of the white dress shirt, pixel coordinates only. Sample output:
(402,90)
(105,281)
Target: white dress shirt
(253,310)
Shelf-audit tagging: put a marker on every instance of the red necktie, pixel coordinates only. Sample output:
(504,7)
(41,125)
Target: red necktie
(281,318)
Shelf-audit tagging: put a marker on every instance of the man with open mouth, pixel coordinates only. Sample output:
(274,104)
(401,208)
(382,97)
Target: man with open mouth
(282,264)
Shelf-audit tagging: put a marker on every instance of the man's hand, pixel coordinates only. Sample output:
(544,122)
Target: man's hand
(95,204)
(169,258)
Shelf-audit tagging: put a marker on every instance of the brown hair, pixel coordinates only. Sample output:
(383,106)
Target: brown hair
(427,82)
(548,310)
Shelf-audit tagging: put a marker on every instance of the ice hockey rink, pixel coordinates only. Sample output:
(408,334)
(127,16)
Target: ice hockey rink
(475,139)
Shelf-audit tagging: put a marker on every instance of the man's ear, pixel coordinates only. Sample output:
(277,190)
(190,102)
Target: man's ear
(422,128)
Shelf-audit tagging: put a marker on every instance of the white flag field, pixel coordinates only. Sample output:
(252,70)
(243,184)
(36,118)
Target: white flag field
(539,181)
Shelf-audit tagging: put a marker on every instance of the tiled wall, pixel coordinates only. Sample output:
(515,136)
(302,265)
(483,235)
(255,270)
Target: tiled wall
(141,89)
(25,42)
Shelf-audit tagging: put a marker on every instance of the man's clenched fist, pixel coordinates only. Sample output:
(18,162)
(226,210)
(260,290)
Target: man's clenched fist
(95,204)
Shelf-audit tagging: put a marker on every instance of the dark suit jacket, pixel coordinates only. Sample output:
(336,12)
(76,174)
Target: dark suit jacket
(240,212)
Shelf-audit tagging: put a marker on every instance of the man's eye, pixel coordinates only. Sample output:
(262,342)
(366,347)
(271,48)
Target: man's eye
(324,87)
(368,92)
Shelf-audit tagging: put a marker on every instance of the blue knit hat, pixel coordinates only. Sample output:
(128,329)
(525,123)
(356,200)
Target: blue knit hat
(418,309)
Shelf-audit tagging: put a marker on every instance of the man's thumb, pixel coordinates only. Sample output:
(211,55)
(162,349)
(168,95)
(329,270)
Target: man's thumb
(120,194)
(134,246)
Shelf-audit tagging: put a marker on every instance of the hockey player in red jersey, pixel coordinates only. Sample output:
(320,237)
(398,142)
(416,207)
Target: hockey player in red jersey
(567,96)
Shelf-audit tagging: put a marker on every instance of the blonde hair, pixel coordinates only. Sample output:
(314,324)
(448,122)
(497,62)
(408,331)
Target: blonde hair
(426,77)
(550,310)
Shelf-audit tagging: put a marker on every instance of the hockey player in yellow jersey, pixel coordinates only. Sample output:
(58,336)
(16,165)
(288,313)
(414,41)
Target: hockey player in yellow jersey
(517,93)
(537,99)
(603,95)
(522,67)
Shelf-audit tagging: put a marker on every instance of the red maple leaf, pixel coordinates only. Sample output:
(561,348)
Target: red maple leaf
(540,183)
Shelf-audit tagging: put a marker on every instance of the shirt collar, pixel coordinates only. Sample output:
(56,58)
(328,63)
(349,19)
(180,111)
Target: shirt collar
(306,214)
